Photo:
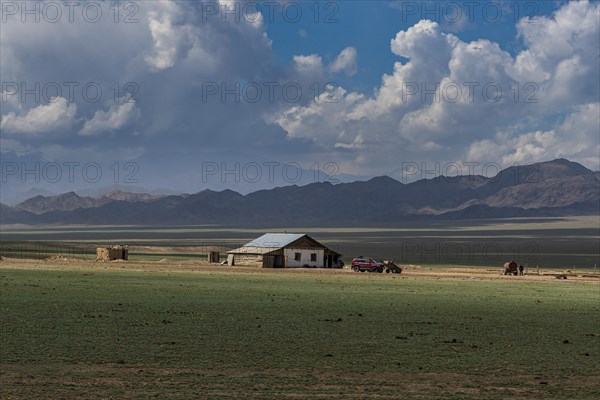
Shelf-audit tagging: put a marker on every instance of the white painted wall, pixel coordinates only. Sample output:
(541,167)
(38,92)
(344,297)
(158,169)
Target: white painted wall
(304,257)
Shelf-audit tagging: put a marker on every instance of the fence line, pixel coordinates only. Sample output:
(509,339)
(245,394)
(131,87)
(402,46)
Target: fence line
(43,250)
(39,250)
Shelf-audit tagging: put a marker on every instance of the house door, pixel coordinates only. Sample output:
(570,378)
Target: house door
(278,262)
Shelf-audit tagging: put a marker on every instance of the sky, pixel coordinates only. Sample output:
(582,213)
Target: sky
(180,96)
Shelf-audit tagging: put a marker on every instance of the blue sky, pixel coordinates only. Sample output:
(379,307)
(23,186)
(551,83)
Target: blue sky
(370,25)
(185,86)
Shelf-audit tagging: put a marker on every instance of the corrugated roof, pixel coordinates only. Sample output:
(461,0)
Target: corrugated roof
(274,240)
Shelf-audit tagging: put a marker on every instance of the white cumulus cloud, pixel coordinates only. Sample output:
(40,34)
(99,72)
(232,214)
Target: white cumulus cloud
(57,114)
(473,99)
(345,61)
(115,118)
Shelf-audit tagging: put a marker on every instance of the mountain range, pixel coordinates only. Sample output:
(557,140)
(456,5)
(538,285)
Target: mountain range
(553,188)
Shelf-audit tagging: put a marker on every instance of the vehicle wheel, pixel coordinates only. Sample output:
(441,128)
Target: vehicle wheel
(387,271)
(380,270)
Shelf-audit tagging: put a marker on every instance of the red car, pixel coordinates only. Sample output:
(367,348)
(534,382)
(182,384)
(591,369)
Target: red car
(361,264)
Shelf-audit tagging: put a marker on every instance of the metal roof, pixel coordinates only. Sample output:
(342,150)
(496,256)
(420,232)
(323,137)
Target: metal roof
(274,240)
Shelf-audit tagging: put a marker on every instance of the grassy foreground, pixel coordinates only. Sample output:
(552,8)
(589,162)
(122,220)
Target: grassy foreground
(124,335)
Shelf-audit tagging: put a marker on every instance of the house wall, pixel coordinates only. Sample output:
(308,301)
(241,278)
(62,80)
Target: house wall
(102,254)
(304,257)
(247,259)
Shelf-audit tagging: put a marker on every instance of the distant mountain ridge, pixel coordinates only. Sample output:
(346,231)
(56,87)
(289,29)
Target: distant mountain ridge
(554,188)
(72,201)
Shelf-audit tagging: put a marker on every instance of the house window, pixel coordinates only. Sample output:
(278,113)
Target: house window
(297,256)
(313,256)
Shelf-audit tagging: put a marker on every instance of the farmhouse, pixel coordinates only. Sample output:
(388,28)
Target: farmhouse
(281,250)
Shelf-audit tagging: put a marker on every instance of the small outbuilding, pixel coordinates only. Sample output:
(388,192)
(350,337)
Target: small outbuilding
(284,250)
(112,253)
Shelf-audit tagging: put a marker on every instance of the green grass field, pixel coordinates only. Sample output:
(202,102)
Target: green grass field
(96,334)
